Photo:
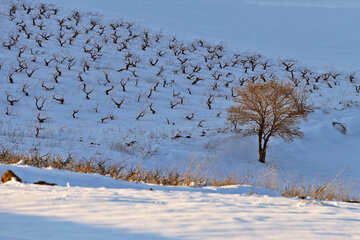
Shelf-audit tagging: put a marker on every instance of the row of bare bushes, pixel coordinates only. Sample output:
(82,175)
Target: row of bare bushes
(193,176)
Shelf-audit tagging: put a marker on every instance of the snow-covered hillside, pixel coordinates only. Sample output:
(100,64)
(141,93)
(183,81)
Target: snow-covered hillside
(119,91)
(149,82)
(320,33)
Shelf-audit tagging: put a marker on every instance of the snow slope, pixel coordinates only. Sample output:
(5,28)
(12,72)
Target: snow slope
(153,139)
(320,33)
(132,211)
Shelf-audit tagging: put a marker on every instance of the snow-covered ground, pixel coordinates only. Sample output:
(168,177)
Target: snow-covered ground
(79,208)
(320,33)
(197,51)
(172,81)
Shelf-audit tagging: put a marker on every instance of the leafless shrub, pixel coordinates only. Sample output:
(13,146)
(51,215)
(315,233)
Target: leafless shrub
(11,99)
(60,40)
(160,53)
(197,79)
(265,64)
(200,124)
(288,64)
(39,41)
(10,77)
(153,63)
(96,109)
(150,93)
(173,104)
(80,77)
(123,46)
(71,63)
(76,16)
(7,111)
(215,86)
(106,74)
(176,94)
(109,90)
(189,116)
(39,106)
(59,99)
(183,69)
(351,77)
(74,113)
(56,78)
(41,119)
(21,51)
(190,76)
(22,65)
(47,62)
(93,24)
(30,73)
(317,78)
(357,88)
(151,108)
(209,101)
(86,66)
(115,26)
(216,75)
(12,41)
(110,116)
(37,130)
(25,86)
(28,34)
(196,68)
(47,88)
(161,70)
(123,84)
(223,65)
(326,76)
(118,103)
(40,25)
(87,93)
(13,10)
(141,114)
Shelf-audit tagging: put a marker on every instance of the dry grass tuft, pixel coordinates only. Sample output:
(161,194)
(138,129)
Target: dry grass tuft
(195,175)
(332,190)
(172,176)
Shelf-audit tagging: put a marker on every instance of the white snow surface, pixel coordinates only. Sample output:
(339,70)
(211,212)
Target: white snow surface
(320,33)
(88,206)
(321,36)
(150,140)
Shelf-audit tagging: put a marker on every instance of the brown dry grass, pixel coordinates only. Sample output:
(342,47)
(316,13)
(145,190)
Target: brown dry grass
(194,176)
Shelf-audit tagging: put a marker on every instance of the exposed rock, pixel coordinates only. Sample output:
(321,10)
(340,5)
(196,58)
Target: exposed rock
(8,176)
(340,127)
(45,183)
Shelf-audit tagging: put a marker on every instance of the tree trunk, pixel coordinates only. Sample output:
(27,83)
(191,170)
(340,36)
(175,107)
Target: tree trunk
(262,149)
(262,155)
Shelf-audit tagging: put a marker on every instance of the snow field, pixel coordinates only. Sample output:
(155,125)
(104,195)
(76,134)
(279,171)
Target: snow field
(183,127)
(133,211)
(174,64)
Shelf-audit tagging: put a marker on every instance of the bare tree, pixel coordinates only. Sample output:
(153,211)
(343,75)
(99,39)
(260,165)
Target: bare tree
(269,109)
